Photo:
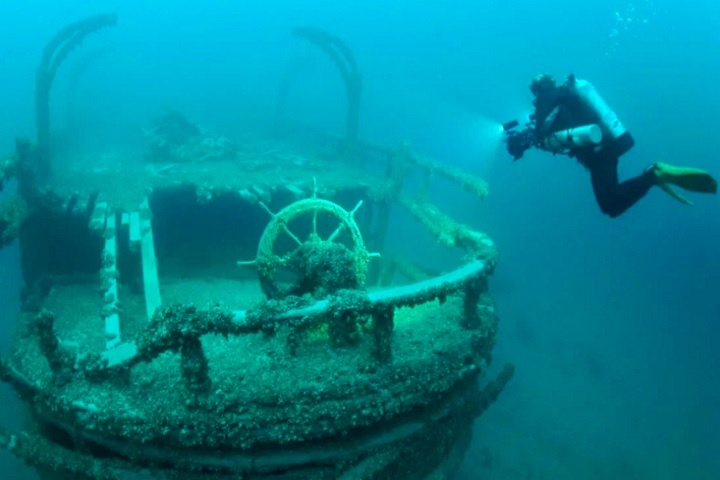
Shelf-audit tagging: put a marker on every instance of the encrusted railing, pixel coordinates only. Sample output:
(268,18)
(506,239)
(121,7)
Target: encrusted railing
(179,328)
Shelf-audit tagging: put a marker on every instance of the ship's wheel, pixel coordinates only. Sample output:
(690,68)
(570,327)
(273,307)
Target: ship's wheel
(330,258)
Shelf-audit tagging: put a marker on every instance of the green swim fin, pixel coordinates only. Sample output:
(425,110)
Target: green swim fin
(687,178)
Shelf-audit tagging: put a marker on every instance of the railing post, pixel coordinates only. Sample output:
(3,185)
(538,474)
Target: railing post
(383,324)
(195,367)
(471,298)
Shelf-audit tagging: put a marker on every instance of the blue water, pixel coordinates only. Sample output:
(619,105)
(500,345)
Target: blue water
(611,323)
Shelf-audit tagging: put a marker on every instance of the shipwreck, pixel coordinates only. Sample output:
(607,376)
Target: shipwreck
(213,309)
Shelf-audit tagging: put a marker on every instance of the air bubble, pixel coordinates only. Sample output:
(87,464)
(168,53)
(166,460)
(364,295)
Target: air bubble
(629,22)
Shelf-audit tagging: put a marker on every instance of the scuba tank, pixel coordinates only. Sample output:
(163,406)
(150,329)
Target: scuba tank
(615,135)
(584,136)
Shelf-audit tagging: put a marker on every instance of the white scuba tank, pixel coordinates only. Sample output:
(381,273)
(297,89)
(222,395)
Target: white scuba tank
(614,132)
(573,137)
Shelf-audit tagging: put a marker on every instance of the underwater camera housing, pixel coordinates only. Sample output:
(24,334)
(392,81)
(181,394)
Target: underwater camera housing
(520,140)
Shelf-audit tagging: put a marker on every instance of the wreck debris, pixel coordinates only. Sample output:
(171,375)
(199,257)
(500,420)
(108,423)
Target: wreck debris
(174,139)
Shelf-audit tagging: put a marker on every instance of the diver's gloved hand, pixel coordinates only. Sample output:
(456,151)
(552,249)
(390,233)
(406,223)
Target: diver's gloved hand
(687,178)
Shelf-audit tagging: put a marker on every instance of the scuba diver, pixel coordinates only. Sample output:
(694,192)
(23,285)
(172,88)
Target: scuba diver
(573,119)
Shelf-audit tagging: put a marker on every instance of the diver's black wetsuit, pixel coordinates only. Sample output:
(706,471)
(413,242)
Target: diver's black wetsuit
(613,197)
